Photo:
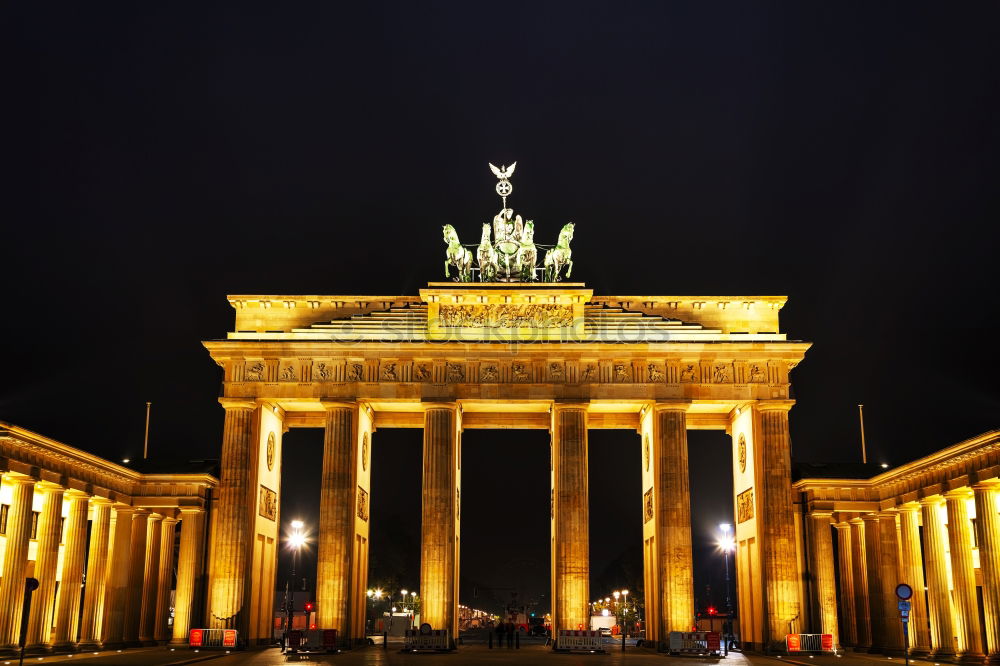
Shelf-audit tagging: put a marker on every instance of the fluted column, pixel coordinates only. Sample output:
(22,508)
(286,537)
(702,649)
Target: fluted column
(848,618)
(46,560)
(872,550)
(136,575)
(118,570)
(95,591)
(970,641)
(74,557)
(233,537)
(439,525)
(336,519)
(912,567)
(938,592)
(776,525)
(189,570)
(988,538)
(164,577)
(671,490)
(862,605)
(15,560)
(823,578)
(889,575)
(150,581)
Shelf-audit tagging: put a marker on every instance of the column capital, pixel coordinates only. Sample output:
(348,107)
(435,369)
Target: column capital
(870,517)
(959,493)
(73,493)
(932,500)
(991,484)
(338,404)
(774,405)
(573,404)
(856,521)
(821,513)
(97,499)
(19,480)
(843,525)
(190,511)
(169,520)
(677,406)
(238,403)
(909,507)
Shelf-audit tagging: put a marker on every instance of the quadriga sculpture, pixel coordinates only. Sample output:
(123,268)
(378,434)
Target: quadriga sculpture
(527,254)
(560,255)
(457,256)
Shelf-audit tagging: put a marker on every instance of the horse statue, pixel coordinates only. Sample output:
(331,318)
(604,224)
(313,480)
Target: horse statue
(527,254)
(560,255)
(457,255)
(488,258)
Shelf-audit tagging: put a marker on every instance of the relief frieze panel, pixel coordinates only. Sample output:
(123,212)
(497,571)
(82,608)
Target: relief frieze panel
(506,316)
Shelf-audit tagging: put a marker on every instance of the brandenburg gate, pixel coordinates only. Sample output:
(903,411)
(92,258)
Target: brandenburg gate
(506,351)
(465,355)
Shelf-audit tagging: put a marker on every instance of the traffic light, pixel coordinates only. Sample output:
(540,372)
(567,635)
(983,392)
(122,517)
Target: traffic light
(712,610)
(310,607)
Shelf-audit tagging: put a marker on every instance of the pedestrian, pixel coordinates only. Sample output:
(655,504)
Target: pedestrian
(511,628)
(500,632)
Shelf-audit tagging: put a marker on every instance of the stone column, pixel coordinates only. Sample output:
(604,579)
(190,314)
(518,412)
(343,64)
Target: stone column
(164,578)
(189,570)
(872,556)
(938,592)
(889,574)
(439,523)
(336,519)
(150,581)
(570,518)
(823,577)
(776,525)
(116,588)
(74,558)
(136,576)
(233,536)
(671,490)
(15,560)
(95,590)
(848,618)
(970,641)
(859,567)
(912,568)
(46,560)
(988,533)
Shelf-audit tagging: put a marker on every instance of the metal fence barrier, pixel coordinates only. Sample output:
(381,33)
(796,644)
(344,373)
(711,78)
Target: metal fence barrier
(213,638)
(427,639)
(579,640)
(695,642)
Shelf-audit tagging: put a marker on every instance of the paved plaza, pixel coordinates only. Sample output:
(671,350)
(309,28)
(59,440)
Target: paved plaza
(528,655)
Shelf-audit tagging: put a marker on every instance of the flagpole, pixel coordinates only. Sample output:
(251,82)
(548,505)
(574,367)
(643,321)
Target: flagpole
(861,416)
(145,443)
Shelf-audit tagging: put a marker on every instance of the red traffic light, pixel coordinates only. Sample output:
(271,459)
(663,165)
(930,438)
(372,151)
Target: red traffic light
(712,610)
(309,606)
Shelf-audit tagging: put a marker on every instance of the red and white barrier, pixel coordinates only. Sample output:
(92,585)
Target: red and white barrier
(212,638)
(809,643)
(577,640)
(426,639)
(695,642)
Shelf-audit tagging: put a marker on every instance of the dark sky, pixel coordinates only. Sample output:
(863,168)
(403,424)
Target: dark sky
(161,156)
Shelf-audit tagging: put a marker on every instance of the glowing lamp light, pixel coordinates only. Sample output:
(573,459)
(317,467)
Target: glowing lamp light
(605,612)
(297,524)
(296,541)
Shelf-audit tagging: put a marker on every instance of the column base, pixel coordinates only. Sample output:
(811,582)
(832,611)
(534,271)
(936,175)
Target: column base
(971,658)
(920,652)
(115,645)
(89,646)
(943,655)
(993,658)
(38,648)
(66,647)
(177,642)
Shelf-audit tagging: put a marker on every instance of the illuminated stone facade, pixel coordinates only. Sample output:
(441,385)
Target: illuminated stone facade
(541,356)
(951,498)
(51,497)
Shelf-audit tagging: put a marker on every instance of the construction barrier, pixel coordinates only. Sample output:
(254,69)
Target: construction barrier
(809,643)
(212,638)
(426,639)
(695,642)
(311,640)
(579,640)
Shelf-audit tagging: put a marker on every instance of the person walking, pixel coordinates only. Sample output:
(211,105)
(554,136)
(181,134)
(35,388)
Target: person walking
(500,632)
(510,634)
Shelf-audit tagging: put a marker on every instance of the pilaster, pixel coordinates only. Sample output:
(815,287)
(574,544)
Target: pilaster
(777,526)
(912,568)
(164,577)
(150,581)
(74,557)
(46,561)
(848,615)
(15,560)
(439,525)
(938,592)
(859,567)
(824,582)
(189,571)
(118,572)
(95,592)
(988,533)
(970,643)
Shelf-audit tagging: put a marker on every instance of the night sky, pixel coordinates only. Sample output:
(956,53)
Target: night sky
(162,156)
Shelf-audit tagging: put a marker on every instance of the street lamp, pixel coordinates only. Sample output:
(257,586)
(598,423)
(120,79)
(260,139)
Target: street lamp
(294,541)
(727,545)
(625,613)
